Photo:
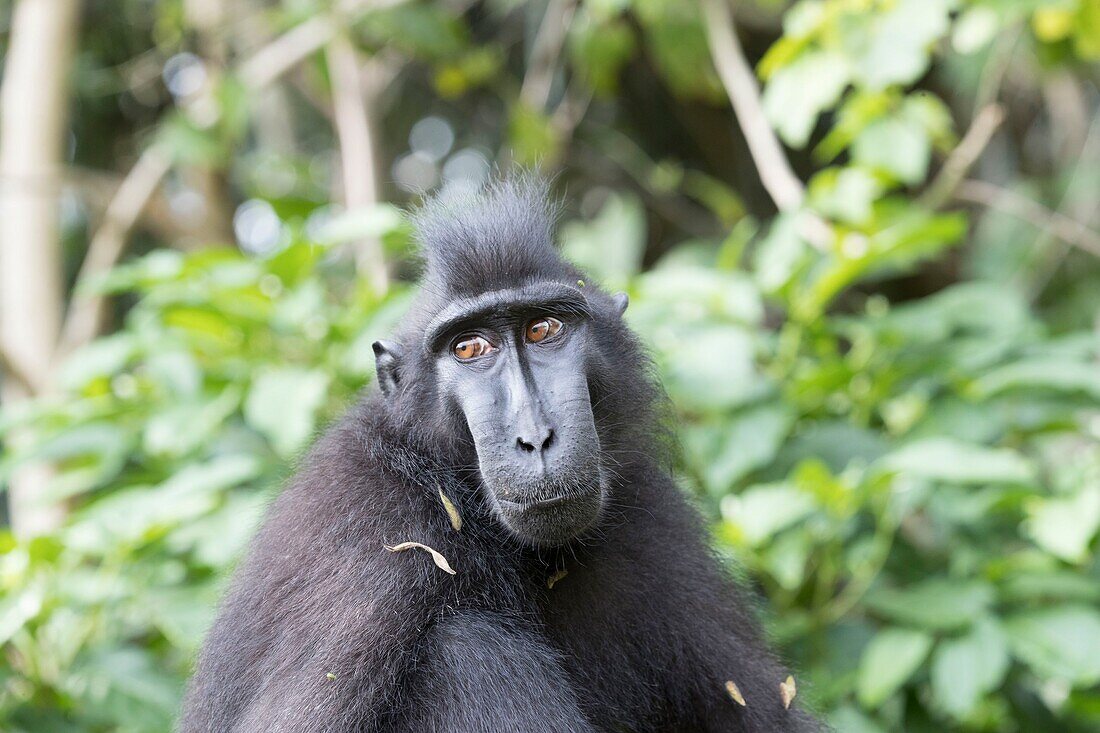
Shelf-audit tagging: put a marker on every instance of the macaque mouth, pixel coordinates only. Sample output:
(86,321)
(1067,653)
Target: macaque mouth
(550,503)
(552,518)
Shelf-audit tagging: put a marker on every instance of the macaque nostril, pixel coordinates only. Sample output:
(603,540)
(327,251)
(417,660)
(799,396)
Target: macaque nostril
(530,446)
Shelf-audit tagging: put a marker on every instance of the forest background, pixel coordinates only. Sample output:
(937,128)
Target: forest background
(860,238)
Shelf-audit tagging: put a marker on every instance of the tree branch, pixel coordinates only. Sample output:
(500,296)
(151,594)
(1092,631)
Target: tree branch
(85,316)
(358,157)
(545,49)
(963,157)
(779,180)
(1059,225)
(34,107)
(10,370)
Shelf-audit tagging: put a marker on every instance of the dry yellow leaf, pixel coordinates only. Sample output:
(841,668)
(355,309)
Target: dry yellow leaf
(735,693)
(440,561)
(787,691)
(555,577)
(452,511)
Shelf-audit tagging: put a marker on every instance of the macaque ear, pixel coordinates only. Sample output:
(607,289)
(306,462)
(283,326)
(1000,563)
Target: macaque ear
(387,361)
(621,301)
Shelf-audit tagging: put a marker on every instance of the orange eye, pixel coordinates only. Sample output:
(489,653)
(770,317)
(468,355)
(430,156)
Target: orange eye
(471,347)
(541,329)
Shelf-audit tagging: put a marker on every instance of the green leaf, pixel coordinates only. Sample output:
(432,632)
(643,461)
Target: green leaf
(728,448)
(888,662)
(532,136)
(1064,527)
(129,672)
(184,428)
(761,512)
(850,720)
(938,604)
(16,609)
(138,514)
(1059,375)
(104,357)
(966,668)
(797,93)
(283,405)
(1059,644)
(677,45)
(900,44)
(87,455)
(600,51)
(188,143)
(610,247)
(709,368)
(898,146)
(684,293)
(182,615)
(220,538)
(1086,38)
(974,29)
(945,459)
(781,255)
(362,223)
(475,68)
(845,194)
(907,236)
(1050,584)
(422,30)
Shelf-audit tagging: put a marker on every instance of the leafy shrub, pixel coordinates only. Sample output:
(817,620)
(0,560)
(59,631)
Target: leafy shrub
(169,437)
(913,487)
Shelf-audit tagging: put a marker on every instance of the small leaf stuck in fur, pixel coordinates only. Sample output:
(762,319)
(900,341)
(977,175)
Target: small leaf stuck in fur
(555,577)
(787,691)
(735,693)
(452,511)
(440,561)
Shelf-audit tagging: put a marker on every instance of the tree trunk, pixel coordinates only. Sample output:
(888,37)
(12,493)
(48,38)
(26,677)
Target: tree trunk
(358,151)
(33,135)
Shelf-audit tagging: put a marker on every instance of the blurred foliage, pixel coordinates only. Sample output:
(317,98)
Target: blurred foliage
(896,427)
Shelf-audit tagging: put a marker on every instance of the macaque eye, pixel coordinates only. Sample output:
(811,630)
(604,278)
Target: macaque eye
(472,346)
(541,329)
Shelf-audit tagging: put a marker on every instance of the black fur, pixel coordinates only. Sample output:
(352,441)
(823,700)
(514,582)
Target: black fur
(327,631)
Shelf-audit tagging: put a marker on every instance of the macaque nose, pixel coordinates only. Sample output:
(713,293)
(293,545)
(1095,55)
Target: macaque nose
(535,442)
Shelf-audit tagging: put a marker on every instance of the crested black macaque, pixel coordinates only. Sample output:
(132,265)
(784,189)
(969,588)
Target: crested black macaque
(513,433)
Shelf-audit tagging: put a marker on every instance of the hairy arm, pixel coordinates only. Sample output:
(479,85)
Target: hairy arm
(672,623)
(716,627)
(322,622)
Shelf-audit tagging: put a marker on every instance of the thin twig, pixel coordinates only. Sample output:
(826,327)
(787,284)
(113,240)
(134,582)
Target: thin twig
(84,317)
(963,157)
(995,68)
(286,52)
(1059,225)
(780,181)
(299,43)
(545,50)
(10,370)
(358,159)
(572,109)
(1077,205)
